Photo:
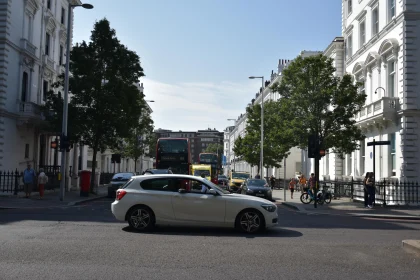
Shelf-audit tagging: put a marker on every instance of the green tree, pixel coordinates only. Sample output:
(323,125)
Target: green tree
(105,102)
(316,102)
(135,144)
(217,149)
(249,146)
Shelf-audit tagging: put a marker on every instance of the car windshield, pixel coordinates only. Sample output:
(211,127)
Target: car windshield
(222,177)
(257,183)
(242,176)
(199,172)
(122,176)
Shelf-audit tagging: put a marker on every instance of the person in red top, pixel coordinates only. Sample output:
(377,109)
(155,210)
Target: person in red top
(292,185)
(312,185)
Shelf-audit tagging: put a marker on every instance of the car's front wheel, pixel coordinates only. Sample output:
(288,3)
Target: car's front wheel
(250,221)
(141,218)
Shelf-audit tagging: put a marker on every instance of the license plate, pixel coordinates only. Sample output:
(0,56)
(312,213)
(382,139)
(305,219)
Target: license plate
(260,194)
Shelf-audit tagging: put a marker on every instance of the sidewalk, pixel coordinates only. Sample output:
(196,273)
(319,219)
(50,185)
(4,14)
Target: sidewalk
(344,206)
(51,199)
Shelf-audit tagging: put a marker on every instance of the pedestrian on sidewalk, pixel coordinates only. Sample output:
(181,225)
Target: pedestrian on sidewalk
(302,183)
(292,185)
(371,189)
(272,182)
(42,180)
(365,190)
(29,178)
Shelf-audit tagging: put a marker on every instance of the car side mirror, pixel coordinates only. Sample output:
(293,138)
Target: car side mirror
(182,190)
(213,192)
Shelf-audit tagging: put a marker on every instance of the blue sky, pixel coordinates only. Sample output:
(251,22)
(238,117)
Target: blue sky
(198,54)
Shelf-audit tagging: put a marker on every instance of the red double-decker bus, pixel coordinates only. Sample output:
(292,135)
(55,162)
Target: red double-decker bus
(213,160)
(173,153)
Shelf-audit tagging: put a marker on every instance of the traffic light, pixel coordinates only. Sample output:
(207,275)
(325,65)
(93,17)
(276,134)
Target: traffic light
(322,152)
(65,144)
(313,146)
(116,158)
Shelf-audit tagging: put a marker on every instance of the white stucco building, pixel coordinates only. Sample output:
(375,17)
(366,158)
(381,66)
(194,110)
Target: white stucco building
(382,50)
(293,161)
(33,38)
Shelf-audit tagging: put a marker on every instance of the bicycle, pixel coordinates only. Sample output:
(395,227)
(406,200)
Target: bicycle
(322,196)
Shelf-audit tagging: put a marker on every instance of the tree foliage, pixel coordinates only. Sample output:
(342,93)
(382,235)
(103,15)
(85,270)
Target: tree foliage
(316,102)
(249,146)
(105,103)
(135,145)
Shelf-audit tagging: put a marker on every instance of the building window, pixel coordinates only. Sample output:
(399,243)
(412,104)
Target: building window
(26,150)
(60,59)
(375,21)
(362,33)
(391,79)
(393,157)
(349,161)
(349,46)
(44,90)
(63,15)
(25,79)
(349,7)
(47,44)
(49,4)
(391,9)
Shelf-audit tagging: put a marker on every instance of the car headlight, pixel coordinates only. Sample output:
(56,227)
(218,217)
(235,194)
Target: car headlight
(249,191)
(269,207)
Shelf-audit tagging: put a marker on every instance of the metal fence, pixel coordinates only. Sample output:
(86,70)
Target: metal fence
(387,192)
(12,181)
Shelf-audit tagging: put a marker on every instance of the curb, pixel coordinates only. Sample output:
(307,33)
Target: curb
(362,215)
(411,245)
(292,206)
(73,203)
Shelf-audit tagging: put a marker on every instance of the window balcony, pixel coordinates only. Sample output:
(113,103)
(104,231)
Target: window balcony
(28,47)
(380,111)
(49,62)
(28,112)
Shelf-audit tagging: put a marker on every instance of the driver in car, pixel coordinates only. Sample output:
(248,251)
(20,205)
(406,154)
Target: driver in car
(203,186)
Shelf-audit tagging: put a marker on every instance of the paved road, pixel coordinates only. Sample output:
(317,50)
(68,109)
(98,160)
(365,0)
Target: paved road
(85,242)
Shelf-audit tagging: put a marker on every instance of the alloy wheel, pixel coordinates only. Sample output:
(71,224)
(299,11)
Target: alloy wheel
(140,219)
(250,222)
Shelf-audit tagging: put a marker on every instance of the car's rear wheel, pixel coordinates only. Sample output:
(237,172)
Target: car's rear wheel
(141,218)
(250,221)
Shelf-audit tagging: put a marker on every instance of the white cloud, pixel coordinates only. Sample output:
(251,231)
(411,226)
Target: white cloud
(194,106)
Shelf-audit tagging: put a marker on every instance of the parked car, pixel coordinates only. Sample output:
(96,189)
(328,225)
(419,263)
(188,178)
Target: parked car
(174,199)
(156,171)
(118,180)
(257,187)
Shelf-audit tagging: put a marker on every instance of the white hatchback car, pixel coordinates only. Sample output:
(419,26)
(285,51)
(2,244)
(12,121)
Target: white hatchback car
(172,199)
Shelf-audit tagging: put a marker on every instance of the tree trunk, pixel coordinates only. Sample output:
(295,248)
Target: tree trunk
(92,177)
(135,165)
(316,160)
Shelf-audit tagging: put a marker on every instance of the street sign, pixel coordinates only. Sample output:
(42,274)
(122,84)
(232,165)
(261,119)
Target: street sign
(379,143)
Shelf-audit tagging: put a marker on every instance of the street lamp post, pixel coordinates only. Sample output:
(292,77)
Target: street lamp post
(66,95)
(262,123)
